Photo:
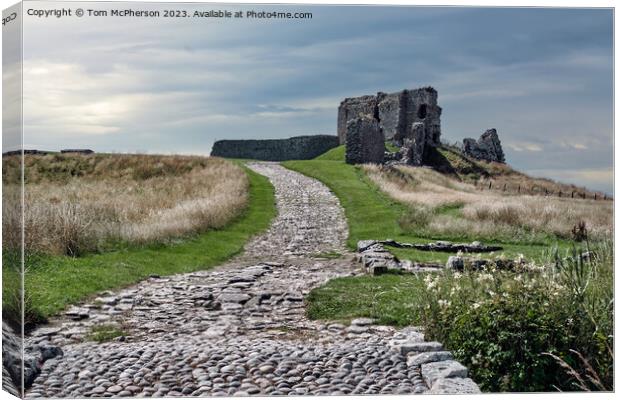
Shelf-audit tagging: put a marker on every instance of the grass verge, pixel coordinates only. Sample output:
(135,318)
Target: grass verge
(53,282)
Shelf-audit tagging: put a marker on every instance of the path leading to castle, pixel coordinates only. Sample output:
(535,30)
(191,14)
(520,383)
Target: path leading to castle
(238,329)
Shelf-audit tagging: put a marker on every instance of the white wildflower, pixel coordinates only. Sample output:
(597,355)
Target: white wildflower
(443,303)
(485,277)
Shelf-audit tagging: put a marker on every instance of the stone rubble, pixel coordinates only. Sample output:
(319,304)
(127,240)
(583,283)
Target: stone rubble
(445,246)
(376,259)
(240,329)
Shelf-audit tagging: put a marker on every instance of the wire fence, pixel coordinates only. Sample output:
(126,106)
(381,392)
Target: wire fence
(541,191)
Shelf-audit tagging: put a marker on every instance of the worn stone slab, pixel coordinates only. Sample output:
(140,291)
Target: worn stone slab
(428,357)
(419,347)
(454,386)
(363,245)
(234,298)
(77,313)
(442,369)
(362,321)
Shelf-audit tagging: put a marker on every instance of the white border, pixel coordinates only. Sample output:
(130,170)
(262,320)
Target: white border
(476,3)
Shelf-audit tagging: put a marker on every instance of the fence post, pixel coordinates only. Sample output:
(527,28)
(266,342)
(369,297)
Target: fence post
(572,194)
(560,193)
(489,185)
(594,196)
(519,189)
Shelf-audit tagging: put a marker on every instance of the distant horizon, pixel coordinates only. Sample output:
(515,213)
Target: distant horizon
(137,152)
(543,77)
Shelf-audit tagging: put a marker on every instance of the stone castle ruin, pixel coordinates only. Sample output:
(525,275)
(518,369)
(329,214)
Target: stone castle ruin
(410,120)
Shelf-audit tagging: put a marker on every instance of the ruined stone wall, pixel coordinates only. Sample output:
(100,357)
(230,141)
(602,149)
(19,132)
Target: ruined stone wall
(396,113)
(487,148)
(350,108)
(365,142)
(295,148)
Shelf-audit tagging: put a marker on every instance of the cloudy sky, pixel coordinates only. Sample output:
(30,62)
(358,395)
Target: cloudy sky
(542,77)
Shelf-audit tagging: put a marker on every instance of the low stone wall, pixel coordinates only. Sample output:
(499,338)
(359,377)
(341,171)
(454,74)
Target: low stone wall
(295,148)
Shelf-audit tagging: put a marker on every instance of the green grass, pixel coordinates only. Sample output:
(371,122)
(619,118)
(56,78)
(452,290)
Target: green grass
(372,215)
(53,282)
(335,154)
(391,147)
(389,298)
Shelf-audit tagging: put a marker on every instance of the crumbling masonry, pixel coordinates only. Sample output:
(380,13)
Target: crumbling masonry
(409,118)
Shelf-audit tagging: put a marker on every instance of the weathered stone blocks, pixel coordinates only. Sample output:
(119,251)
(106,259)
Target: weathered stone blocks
(454,386)
(431,372)
(488,147)
(409,118)
(395,112)
(428,357)
(414,145)
(419,347)
(365,142)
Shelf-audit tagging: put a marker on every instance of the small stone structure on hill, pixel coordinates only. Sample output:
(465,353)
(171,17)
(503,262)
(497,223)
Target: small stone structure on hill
(295,148)
(409,118)
(487,148)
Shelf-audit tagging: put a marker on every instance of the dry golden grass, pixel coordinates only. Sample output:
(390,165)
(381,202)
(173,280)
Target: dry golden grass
(442,205)
(81,203)
(501,177)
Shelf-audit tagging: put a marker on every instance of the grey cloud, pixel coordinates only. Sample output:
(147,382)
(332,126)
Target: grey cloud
(541,77)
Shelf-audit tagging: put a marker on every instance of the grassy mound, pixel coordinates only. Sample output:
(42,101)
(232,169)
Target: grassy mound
(335,154)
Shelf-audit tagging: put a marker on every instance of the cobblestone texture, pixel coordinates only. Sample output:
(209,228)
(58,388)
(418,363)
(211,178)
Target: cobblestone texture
(239,329)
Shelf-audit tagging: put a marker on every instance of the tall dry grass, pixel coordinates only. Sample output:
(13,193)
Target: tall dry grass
(76,204)
(442,205)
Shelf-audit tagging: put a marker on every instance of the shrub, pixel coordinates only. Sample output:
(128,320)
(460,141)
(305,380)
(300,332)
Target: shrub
(504,325)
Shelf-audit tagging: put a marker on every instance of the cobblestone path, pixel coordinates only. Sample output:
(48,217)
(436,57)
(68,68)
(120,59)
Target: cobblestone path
(239,329)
